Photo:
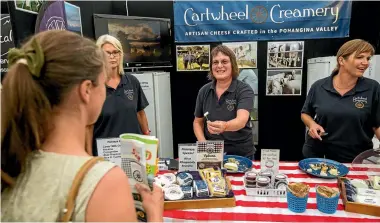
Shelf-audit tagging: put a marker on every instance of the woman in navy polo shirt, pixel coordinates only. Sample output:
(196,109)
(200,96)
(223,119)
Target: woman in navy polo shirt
(228,102)
(123,109)
(342,111)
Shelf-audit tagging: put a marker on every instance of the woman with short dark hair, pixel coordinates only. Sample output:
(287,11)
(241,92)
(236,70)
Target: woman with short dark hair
(227,102)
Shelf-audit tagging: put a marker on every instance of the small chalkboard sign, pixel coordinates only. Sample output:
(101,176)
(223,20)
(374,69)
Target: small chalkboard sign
(7,43)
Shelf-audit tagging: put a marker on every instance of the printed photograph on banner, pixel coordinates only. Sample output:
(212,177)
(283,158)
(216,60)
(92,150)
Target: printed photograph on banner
(255,131)
(255,111)
(285,54)
(245,52)
(73,17)
(193,57)
(30,6)
(284,82)
(250,77)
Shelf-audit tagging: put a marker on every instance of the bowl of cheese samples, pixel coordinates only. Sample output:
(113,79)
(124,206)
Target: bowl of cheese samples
(236,164)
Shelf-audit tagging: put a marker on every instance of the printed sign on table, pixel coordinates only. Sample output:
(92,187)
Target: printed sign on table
(270,159)
(210,154)
(187,155)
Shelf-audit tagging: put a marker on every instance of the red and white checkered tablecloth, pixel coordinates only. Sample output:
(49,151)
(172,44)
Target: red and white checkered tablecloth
(275,209)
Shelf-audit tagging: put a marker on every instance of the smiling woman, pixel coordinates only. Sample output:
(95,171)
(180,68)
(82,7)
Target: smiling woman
(345,105)
(227,103)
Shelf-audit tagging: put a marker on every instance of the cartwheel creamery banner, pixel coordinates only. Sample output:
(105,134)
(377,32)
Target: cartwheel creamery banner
(222,21)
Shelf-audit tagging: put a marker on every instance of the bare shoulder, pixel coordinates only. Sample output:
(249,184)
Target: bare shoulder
(115,175)
(112,199)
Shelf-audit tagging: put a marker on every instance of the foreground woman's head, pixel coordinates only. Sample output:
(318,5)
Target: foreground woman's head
(56,73)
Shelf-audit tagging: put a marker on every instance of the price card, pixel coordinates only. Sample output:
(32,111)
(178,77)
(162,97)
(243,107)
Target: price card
(187,155)
(270,159)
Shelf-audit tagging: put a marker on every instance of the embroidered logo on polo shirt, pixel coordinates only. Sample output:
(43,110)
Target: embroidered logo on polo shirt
(231,104)
(129,94)
(359,101)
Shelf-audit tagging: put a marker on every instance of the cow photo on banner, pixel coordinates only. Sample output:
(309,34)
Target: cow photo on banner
(245,52)
(284,82)
(285,54)
(193,58)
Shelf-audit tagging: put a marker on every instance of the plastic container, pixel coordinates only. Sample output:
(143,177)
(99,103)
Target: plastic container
(327,205)
(296,204)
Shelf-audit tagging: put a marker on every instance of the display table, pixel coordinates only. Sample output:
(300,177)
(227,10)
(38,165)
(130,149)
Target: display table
(273,209)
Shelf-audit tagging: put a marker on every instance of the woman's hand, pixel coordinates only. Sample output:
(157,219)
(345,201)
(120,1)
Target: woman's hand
(315,131)
(216,127)
(153,202)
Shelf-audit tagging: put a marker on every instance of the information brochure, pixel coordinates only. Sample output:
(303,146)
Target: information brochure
(137,156)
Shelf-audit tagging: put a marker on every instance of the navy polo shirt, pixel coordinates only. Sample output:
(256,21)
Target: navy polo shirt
(239,95)
(119,112)
(348,119)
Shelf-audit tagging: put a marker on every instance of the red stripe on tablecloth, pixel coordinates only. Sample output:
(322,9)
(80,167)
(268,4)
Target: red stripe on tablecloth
(239,192)
(227,216)
(276,204)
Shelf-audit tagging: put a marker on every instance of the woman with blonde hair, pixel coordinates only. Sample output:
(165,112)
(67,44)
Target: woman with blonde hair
(123,109)
(54,89)
(342,111)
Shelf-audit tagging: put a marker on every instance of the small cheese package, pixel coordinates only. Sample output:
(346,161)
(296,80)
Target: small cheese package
(201,188)
(368,192)
(217,189)
(368,200)
(187,191)
(216,184)
(168,179)
(184,179)
(173,192)
(205,172)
